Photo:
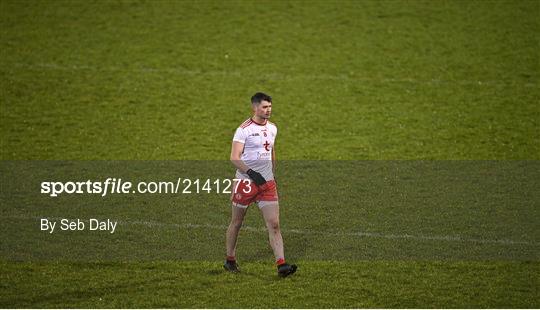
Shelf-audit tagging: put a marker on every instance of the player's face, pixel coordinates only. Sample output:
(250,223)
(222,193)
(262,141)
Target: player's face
(263,110)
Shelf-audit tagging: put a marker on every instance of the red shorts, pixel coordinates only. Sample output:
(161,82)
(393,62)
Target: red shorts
(248,192)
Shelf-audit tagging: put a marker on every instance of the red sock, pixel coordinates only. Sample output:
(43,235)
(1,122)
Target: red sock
(231,258)
(280,261)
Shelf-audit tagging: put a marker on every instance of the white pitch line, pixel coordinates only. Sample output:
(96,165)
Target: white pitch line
(318,232)
(333,233)
(272,76)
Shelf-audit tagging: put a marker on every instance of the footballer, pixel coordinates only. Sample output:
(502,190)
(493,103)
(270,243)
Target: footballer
(253,155)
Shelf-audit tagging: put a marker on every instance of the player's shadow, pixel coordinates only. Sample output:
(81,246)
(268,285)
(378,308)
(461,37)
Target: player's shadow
(219,271)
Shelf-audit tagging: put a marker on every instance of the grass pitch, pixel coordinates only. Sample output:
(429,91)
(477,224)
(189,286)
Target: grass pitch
(350,79)
(319,284)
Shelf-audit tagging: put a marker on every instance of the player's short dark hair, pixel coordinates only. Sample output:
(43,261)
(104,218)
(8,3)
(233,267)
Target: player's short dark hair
(259,97)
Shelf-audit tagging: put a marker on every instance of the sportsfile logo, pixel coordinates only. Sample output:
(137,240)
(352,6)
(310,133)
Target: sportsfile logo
(119,186)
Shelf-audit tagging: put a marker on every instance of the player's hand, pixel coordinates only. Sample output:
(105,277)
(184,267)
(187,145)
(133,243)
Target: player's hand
(256,177)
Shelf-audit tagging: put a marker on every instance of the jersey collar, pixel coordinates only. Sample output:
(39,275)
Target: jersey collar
(254,122)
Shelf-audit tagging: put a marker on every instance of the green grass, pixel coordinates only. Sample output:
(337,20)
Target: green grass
(351,79)
(354,80)
(324,284)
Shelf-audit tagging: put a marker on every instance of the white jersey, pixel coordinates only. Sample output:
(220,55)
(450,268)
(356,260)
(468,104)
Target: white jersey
(258,140)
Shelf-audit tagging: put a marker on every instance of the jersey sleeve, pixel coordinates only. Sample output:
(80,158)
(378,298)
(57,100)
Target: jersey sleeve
(240,136)
(274,130)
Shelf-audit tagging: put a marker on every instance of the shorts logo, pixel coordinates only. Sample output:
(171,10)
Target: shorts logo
(238,196)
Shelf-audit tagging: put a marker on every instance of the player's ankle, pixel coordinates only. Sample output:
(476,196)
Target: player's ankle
(280,261)
(231,259)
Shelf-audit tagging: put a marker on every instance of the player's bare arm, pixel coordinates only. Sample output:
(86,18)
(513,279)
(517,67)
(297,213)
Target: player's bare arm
(274,159)
(236,155)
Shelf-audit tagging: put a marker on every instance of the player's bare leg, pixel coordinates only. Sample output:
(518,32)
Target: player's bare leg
(271,218)
(270,214)
(237,217)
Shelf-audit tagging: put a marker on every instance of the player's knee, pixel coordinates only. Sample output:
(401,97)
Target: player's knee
(236,224)
(273,225)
